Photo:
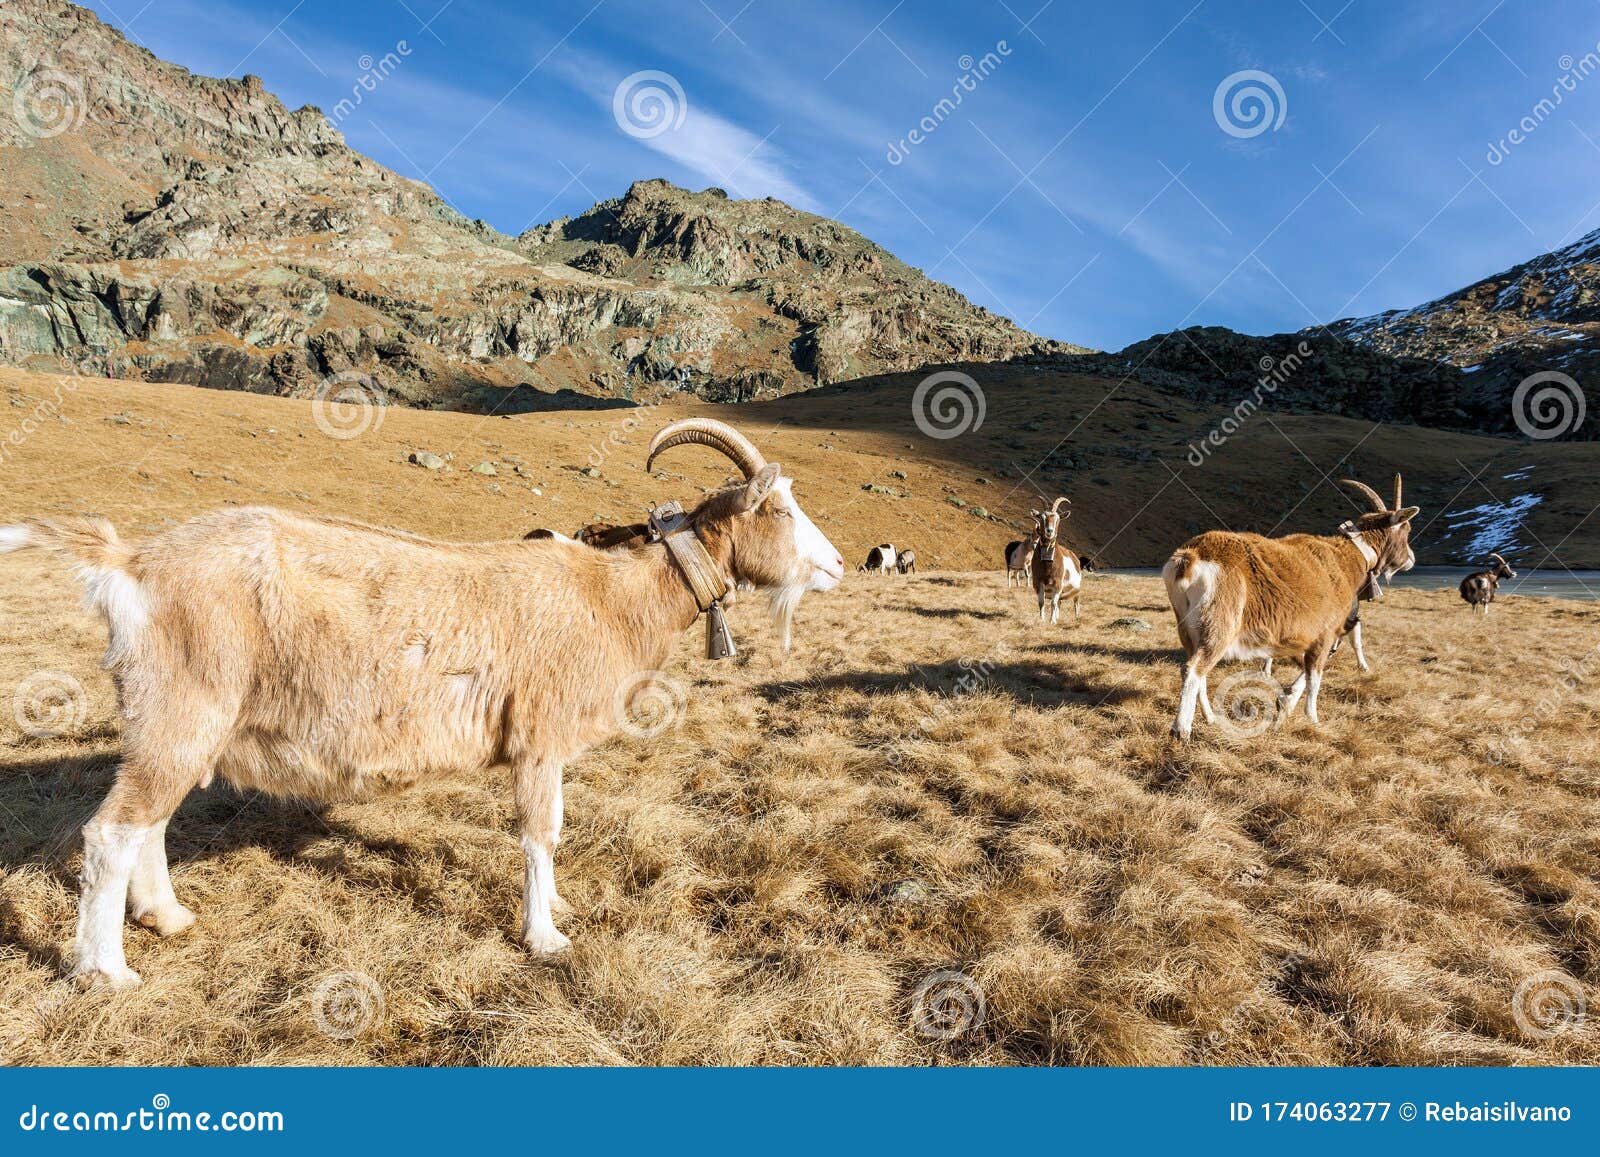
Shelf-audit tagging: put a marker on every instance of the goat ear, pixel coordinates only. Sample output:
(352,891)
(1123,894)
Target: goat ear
(759,486)
(1405,515)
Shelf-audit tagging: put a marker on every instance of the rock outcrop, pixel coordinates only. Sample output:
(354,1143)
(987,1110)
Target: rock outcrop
(161,225)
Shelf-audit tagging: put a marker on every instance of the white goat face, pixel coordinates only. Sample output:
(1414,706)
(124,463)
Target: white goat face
(813,551)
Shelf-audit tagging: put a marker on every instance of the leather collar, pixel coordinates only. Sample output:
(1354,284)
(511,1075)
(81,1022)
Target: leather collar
(670,525)
(1369,588)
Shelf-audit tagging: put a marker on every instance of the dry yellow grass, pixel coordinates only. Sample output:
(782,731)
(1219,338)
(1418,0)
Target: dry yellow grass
(771,879)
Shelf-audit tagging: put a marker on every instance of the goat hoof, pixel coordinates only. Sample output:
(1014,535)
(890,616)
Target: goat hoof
(167,921)
(117,977)
(546,943)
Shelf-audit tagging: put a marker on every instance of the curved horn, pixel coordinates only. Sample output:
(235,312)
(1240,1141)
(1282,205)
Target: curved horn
(1366,492)
(720,436)
(1397,503)
(1498,559)
(1056,506)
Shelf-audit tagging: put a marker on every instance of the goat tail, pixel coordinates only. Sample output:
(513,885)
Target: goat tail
(102,562)
(1176,572)
(93,542)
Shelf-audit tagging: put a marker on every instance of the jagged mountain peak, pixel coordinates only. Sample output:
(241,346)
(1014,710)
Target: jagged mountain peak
(176,227)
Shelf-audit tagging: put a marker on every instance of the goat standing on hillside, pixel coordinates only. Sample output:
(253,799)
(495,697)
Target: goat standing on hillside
(1479,589)
(880,560)
(1056,570)
(1242,596)
(321,658)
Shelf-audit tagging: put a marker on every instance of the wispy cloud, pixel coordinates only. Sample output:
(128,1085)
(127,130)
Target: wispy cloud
(714,148)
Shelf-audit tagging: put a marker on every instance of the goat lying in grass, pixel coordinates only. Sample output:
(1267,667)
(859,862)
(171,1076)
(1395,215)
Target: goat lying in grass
(320,658)
(1242,596)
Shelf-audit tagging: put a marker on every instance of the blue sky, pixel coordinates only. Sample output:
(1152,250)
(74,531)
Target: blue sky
(1084,186)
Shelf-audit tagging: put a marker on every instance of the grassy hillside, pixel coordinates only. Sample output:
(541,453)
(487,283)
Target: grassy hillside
(149,454)
(932,795)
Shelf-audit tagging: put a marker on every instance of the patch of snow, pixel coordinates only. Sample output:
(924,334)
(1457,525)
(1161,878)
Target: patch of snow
(1472,369)
(1493,526)
(1518,474)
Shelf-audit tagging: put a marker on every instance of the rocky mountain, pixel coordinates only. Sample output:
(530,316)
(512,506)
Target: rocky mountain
(1455,362)
(160,225)
(1537,317)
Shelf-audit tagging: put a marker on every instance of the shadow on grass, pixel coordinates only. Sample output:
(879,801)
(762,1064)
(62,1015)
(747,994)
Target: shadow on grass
(1032,683)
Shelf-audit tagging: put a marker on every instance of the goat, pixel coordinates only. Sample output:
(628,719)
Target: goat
(1056,570)
(880,559)
(1479,589)
(1018,555)
(906,562)
(321,658)
(1242,596)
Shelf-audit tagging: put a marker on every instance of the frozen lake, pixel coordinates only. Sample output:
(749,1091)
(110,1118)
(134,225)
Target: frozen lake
(1554,584)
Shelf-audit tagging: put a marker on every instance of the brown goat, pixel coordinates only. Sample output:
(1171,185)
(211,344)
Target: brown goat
(1056,570)
(1242,596)
(320,658)
(1480,588)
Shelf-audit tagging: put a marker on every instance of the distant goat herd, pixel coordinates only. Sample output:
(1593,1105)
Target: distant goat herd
(321,658)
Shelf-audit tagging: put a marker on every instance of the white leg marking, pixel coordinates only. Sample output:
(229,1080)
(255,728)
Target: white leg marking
(1206,712)
(538,928)
(150,895)
(110,853)
(1184,724)
(1355,642)
(1313,689)
(1290,699)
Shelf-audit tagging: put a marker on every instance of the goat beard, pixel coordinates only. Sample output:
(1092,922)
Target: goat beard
(784,600)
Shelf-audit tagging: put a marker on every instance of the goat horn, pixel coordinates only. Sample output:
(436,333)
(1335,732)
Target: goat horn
(720,436)
(1498,559)
(1057,504)
(1367,492)
(1397,503)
